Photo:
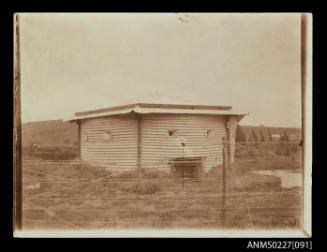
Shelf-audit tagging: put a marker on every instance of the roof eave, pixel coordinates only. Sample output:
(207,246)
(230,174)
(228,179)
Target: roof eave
(239,116)
(154,106)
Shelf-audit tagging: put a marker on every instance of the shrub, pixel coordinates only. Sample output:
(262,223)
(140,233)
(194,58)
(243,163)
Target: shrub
(81,170)
(141,187)
(126,175)
(278,152)
(262,136)
(253,136)
(269,135)
(154,174)
(240,135)
(145,173)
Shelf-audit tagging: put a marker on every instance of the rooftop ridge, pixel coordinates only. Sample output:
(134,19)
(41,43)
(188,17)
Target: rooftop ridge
(154,105)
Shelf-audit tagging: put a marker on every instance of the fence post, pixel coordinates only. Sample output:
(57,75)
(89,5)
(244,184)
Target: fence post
(183,164)
(225,164)
(183,174)
(17,134)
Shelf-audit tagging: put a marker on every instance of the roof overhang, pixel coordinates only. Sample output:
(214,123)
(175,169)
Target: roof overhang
(148,108)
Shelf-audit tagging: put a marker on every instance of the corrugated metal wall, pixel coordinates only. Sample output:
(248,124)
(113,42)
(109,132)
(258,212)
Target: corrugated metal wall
(159,147)
(202,135)
(119,152)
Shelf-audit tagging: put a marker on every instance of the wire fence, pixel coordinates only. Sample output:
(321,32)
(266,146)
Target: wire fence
(260,189)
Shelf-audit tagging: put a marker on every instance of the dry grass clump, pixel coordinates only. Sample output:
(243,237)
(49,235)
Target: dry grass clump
(143,188)
(80,170)
(125,175)
(145,174)
(155,174)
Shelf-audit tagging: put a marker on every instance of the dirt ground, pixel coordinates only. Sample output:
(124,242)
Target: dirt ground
(73,194)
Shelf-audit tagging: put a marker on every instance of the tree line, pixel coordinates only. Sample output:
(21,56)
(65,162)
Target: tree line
(258,137)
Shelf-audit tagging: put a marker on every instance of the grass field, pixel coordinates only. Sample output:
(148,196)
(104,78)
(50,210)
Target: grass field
(68,193)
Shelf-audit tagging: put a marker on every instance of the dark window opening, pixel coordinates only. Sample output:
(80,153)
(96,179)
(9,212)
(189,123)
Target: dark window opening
(171,132)
(208,132)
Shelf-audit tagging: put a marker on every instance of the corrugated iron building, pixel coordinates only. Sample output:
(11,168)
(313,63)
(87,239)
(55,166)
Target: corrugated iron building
(157,136)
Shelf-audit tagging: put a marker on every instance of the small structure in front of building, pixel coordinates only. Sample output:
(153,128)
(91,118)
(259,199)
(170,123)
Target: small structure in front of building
(179,138)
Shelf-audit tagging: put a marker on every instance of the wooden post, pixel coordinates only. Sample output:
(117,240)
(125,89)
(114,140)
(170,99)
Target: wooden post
(228,140)
(225,164)
(17,135)
(139,146)
(183,163)
(303,75)
(306,71)
(79,138)
(183,173)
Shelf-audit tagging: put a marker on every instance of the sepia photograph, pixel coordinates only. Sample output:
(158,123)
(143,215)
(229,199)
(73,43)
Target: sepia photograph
(162,124)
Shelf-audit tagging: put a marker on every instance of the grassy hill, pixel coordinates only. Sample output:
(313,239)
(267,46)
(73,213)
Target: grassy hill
(54,132)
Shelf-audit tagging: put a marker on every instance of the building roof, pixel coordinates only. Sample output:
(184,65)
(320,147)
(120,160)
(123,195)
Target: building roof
(155,108)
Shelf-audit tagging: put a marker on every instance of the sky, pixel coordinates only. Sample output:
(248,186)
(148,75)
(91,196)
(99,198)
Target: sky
(77,62)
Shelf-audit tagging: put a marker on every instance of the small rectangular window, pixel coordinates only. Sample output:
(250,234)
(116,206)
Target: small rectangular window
(107,135)
(208,132)
(171,133)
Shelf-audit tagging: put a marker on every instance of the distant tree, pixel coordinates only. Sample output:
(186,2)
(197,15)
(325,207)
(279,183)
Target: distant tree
(253,136)
(240,135)
(269,135)
(262,137)
(281,137)
(286,138)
